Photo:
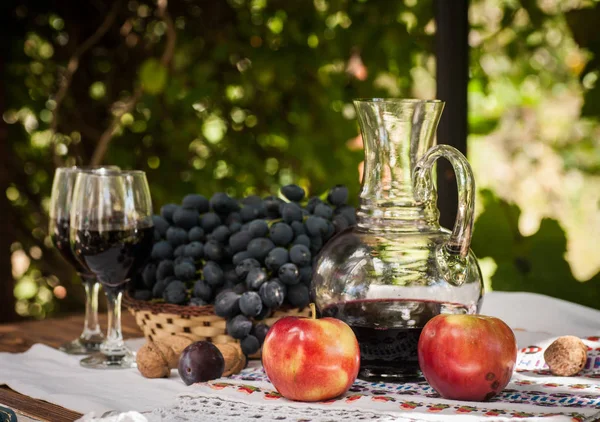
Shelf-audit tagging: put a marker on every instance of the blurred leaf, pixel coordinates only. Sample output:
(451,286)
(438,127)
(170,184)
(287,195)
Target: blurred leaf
(153,76)
(534,263)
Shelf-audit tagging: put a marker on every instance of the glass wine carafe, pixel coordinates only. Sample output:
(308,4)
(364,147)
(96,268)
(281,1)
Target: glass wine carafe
(398,268)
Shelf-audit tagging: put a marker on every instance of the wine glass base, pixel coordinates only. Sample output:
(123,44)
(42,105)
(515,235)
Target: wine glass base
(102,361)
(78,347)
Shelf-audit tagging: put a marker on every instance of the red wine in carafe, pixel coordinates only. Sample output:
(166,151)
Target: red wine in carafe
(388,333)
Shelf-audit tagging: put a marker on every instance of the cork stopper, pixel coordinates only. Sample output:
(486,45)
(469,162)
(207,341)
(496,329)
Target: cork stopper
(566,356)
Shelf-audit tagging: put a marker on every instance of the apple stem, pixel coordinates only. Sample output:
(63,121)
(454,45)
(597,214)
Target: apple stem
(313,310)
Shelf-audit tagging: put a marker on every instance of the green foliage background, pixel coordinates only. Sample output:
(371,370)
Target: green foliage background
(244,96)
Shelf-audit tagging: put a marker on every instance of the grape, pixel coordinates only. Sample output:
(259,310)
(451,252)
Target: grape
(256,277)
(240,288)
(250,304)
(283,286)
(194,250)
(340,223)
(323,210)
(239,241)
(175,293)
(235,227)
(298,228)
(231,276)
(239,326)
(149,275)
(202,290)
(162,250)
(227,304)
(185,271)
(316,243)
(260,247)
(302,240)
(159,287)
(349,212)
(276,258)
(264,313)
(298,295)
(213,250)
(196,234)
(239,257)
(289,274)
(315,226)
(195,202)
(250,345)
(272,294)
(156,235)
(186,218)
(291,212)
(330,230)
(272,206)
(234,217)
(177,236)
(213,274)
(293,192)
(221,234)
(160,224)
(181,259)
(142,295)
(251,200)
(338,195)
(312,203)
(260,332)
(222,203)
(196,301)
(200,362)
(281,234)
(244,267)
(179,251)
(251,212)
(165,268)
(210,221)
(167,211)
(305,275)
(300,255)
(258,228)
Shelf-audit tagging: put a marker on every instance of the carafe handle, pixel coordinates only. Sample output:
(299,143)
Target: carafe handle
(452,255)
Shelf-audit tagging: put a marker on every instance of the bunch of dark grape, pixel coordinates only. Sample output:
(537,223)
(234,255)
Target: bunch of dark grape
(246,257)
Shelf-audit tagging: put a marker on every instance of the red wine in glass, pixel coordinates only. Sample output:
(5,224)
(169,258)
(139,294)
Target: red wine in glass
(114,256)
(388,333)
(59,233)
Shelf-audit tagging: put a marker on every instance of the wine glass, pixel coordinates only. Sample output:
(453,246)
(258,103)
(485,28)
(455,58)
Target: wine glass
(60,207)
(111,235)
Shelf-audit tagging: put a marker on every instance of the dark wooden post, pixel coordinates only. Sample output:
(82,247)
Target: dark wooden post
(452,74)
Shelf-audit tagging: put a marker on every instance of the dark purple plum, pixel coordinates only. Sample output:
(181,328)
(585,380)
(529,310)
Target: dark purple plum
(201,362)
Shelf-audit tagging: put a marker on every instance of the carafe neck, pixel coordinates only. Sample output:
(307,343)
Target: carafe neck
(396,133)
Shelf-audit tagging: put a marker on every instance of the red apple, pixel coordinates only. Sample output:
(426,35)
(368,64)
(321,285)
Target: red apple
(467,357)
(311,359)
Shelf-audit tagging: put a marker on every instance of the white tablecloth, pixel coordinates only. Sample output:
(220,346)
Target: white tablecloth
(47,374)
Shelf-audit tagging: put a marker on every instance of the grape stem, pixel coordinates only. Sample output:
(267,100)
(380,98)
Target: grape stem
(313,310)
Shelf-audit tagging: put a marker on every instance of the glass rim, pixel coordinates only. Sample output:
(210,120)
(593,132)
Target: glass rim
(89,169)
(397,100)
(113,173)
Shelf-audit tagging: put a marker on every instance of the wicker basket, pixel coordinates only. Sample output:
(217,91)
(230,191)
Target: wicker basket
(197,322)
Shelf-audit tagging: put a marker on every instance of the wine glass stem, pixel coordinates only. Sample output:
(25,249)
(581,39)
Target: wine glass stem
(114,345)
(91,327)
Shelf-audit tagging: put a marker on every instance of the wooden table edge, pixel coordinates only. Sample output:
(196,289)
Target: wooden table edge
(38,409)
(19,337)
